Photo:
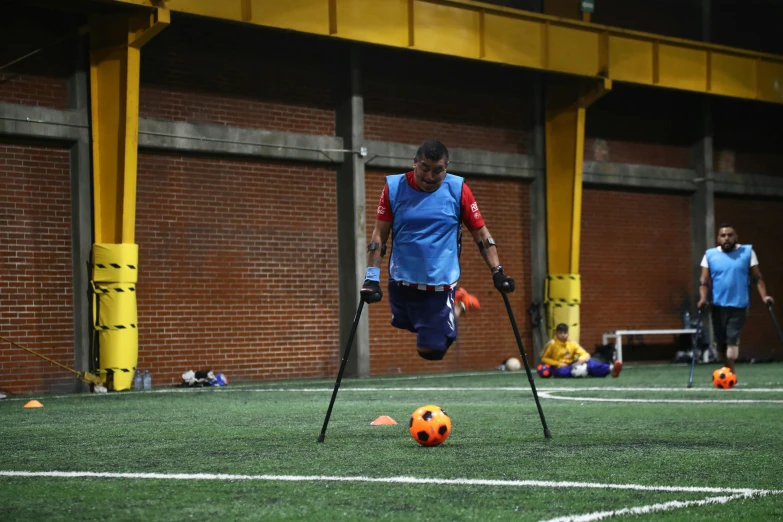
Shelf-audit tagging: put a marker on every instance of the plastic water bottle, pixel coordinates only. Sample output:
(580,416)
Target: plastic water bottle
(686,319)
(147,380)
(137,382)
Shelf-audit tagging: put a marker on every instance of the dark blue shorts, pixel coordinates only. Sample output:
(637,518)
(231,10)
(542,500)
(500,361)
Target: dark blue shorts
(430,315)
(727,323)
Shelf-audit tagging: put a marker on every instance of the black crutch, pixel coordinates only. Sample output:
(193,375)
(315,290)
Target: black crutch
(547,433)
(694,346)
(342,369)
(777,326)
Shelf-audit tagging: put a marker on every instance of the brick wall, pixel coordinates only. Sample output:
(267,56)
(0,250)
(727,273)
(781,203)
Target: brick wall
(766,163)
(640,153)
(485,336)
(463,104)
(237,268)
(635,262)
(223,74)
(757,221)
(633,124)
(36,274)
(40,91)
(750,133)
(42,78)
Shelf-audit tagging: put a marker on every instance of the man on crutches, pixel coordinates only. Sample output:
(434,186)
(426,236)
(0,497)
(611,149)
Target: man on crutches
(726,271)
(424,210)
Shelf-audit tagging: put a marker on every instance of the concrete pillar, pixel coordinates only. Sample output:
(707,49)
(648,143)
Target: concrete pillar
(703,199)
(352,236)
(538,228)
(702,208)
(706,20)
(81,218)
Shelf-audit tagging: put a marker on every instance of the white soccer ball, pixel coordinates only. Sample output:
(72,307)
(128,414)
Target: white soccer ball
(579,370)
(513,364)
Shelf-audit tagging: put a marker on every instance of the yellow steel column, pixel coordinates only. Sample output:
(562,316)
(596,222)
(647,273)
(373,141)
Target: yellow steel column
(115,47)
(567,101)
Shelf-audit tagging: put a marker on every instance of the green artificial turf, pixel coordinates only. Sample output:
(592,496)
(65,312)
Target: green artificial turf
(604,456)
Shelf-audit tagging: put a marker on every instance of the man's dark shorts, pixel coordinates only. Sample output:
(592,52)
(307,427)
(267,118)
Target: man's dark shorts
(727,323)
(430,315)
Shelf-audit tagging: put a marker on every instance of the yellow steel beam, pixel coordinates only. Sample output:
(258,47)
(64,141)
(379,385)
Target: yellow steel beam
(564,141)
(115,43)
(567,101)
(481,31)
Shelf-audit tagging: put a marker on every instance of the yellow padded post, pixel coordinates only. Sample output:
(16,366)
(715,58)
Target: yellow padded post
(115,272)
(563,296)
(565,288)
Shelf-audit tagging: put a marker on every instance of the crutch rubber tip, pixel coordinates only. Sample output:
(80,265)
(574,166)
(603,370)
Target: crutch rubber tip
(690,385)
(547,433)
(321,437)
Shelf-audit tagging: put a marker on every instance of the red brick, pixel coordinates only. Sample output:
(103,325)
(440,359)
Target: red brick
(464,104)
(635,262)
(36,273)
(40,79)
(223,79)
(237,268)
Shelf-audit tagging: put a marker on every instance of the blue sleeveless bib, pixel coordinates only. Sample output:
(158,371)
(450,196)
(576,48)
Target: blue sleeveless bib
(730,274)
(425,231)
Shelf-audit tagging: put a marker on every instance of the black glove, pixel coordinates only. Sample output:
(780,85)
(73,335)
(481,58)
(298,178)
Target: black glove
(371,292)
(502,282)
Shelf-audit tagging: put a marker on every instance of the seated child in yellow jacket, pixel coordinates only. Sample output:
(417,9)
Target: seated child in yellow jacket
(564,358)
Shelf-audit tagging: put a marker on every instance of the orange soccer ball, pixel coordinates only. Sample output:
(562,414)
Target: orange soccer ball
(544,370)
(430,425)
(724,378)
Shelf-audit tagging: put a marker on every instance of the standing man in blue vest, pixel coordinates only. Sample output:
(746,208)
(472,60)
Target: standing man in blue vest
(424,210)
(728,269)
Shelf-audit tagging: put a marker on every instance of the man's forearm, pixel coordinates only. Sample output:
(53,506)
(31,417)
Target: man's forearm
(377,247)
(762,288)
(490,256)
(374,257)
(487,248)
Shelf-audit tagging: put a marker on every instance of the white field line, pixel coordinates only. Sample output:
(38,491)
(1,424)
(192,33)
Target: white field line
(388,480)
(548,395)
(426,376)
(665,506)
(350,388)
(482,373)
(543,391)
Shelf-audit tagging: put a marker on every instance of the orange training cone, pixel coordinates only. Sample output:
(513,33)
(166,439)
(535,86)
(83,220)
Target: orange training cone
(383,420)
(33,404)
